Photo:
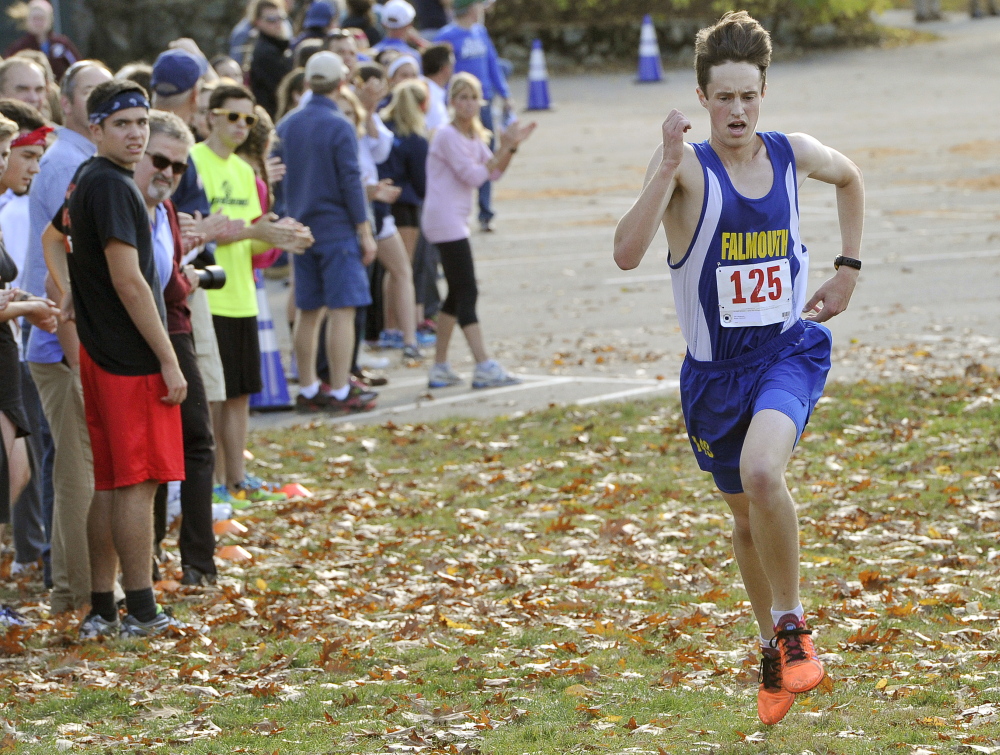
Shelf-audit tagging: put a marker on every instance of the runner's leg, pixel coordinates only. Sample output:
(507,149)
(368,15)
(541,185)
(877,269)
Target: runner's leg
(751,571)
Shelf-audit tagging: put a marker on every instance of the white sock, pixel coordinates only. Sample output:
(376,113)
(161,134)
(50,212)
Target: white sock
(776,615)
(309,391)
(341,393)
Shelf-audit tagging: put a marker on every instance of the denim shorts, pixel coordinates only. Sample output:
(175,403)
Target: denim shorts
(332,276)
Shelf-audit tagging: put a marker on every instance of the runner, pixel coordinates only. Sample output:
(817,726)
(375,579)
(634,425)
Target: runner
(755,366)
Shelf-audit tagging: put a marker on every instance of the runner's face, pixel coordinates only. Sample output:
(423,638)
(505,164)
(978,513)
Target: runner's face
(231,134)
(733,102)
(157,185)
(22,166)
(123,135)
(27,84)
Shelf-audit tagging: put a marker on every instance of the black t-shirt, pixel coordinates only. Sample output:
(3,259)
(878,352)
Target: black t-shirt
(430,14)
(103,203)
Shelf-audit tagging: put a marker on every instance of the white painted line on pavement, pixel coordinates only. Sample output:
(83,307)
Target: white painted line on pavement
(899,260)
(663,385)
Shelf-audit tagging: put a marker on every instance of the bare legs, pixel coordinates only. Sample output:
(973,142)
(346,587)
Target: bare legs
(473,335)
(120,526)
(339,344)
(766,529)
(18,468)
(229,421)
(400,300)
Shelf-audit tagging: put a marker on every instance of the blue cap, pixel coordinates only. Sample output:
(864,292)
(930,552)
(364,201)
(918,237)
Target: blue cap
(176,71)
(320,14)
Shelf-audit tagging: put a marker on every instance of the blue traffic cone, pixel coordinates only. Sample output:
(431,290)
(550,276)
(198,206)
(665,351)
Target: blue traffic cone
(275,396)
(650,68)
(538,79)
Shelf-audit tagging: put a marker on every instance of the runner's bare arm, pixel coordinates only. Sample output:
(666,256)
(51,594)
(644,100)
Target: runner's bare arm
(637,228)
(815,160)
(137,297)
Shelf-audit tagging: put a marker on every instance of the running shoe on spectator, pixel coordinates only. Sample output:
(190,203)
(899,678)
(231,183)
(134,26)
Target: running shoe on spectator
(132,627)
(255,489)
(491,374)
(221,494)
(359,399)
(801,670)
(426,338)
(95,625)
(391,339)
(441,376)
(412,355)
(318,403)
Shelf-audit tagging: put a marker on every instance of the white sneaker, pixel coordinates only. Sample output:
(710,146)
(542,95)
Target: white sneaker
(372,362)
(441,376)
(132,627)
(491,374)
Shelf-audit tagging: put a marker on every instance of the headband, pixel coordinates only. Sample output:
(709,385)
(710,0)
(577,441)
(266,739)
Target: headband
(34,138)
(401,61)
(120,101)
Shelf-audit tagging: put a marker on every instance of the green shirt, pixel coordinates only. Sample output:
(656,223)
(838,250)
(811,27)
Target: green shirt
(231,188)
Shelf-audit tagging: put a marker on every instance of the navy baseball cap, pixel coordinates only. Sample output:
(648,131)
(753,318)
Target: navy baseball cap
(176,71)
(320,14)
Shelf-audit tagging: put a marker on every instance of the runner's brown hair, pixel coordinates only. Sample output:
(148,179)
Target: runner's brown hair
(736,38)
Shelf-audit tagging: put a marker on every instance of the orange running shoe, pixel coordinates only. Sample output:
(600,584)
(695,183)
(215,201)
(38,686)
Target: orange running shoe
(801,670)
(773,700)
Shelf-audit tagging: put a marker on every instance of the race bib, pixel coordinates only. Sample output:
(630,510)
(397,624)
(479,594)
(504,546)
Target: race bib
(754,295)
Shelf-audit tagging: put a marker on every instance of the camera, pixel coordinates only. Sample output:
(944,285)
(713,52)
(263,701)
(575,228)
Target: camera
(211,276)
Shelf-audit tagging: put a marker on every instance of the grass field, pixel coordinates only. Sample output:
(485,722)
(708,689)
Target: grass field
(562,582)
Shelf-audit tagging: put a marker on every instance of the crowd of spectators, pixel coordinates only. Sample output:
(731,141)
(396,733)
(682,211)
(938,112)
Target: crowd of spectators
(138,211)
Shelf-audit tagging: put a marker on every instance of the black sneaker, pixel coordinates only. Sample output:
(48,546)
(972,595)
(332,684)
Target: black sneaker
(318,403)
(195,576)
(358,400)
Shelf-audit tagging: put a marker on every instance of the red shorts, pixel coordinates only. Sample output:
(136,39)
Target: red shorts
(134,435)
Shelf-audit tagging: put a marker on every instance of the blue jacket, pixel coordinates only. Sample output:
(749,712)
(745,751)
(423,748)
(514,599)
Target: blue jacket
(407,166)
(475,54)
(322,188)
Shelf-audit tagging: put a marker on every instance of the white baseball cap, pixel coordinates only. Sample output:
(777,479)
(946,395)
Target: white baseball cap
(397,14)
(325,65)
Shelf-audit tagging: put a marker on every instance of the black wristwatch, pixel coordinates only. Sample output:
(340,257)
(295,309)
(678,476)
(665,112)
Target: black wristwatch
(847,262)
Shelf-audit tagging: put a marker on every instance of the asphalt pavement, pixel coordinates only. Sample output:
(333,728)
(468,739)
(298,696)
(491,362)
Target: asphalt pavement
(921,121)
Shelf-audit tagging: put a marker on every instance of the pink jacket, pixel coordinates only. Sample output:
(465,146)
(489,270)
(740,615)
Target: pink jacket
(456,165)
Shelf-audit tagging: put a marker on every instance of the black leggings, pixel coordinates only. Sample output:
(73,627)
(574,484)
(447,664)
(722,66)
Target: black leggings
(456,259)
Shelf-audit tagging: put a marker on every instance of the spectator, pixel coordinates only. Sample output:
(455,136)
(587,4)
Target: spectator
(199,123)
(272,56)
(157,175)
(290,92)
(406,169)
(227,68)
(306,50)
(32,515)
(403,68)
(24,80)
(60,50)
(344,44)
(132,381)
(475,54)
(319,21)
(54,361)
(138,73)
(50,108)
(232,189)
(323,189)
(244,34)
(179,78)
(397,18)
(439,65)
(360,16)
(19,422)
(432,16)
(459,161)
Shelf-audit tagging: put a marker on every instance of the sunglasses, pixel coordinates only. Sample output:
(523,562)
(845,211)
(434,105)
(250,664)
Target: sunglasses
(162,163)
(273,19)
(233,116)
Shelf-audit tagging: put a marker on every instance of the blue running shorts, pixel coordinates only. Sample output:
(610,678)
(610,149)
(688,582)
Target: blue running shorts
(720,398)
